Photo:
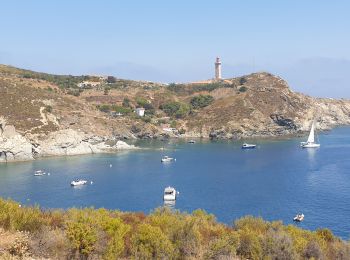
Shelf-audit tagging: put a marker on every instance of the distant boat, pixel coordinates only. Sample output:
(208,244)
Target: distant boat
(248,146)
(167,159)
(310,143)
(78,182)
(170,194)
(299,217)
(191,141)
(39,173)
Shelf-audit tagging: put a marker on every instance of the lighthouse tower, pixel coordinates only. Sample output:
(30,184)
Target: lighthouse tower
(217,68)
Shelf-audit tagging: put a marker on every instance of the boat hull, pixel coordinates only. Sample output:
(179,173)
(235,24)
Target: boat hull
(310,145)
(249,147)
(169,197)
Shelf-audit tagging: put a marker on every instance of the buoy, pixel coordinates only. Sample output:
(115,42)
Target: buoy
(48,174)
(175,159)
(110,166)
(91,182)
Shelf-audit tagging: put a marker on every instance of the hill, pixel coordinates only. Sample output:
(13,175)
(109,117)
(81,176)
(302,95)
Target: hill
(91,111)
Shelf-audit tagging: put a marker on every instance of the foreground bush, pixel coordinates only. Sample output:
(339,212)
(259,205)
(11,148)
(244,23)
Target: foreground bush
(164,234)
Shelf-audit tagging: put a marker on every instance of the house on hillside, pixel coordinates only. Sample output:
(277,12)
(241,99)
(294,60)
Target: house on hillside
(140,111)
(89,84)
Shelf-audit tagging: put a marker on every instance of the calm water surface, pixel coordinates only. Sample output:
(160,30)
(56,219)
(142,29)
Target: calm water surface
(275,181)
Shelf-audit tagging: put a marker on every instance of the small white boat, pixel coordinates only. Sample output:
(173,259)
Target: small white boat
(299,217)
(78,182)
(170,194)
(191,141)
(310,143)
(167,159)
(248,146)
(39,173)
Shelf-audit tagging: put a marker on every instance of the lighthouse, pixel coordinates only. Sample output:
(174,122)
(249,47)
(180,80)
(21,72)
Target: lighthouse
(217,68)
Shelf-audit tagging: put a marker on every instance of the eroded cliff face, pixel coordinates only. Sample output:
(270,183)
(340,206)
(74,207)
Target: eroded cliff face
(16,147)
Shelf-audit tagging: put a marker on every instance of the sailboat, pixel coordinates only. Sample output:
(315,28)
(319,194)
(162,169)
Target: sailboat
(310,143)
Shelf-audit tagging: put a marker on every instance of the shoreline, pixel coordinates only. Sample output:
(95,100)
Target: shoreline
(107,149)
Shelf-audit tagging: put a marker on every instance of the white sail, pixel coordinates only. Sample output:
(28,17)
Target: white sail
(311,138)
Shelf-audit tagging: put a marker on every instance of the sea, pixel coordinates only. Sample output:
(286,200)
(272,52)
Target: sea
(275,181)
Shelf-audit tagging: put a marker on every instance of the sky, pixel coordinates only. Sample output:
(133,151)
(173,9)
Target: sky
(305,42)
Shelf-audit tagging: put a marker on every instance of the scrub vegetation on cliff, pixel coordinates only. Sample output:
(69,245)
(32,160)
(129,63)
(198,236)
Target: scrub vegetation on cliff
(163,234)
(255,105)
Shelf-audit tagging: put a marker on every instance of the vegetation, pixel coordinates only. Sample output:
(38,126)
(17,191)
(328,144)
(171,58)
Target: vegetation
(187,89)
(242,89)
(176,109)
(201,101)
(164,234)
(48,109)
(111,79)
(114,108)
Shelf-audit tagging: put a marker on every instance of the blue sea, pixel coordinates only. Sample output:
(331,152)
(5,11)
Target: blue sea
(275,181)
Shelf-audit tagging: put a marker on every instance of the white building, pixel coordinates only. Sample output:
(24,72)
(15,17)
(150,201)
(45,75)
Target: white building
(91,84)
(140,111)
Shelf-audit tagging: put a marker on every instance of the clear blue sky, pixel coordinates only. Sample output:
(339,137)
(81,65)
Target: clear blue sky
(305,42)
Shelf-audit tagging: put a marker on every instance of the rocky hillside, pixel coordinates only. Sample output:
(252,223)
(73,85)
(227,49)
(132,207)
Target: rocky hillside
(43,114)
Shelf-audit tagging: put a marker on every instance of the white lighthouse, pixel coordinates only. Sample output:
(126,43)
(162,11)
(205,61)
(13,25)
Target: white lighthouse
(217,68)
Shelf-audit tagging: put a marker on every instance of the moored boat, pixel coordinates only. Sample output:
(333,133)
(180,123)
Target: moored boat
(248,146)
(310,143)
(39,173)
(169,194)
(191,141)
(78,182)
(167,159)
(299,217)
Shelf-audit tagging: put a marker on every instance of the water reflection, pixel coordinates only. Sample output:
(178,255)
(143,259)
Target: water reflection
(169,204)
(311,155)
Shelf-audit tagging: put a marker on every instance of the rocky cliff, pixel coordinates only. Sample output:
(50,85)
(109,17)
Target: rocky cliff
(16,147)
(43,114)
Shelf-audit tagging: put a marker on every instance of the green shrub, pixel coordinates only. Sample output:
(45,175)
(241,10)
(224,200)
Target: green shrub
(177,109)
(116,231)
(15,217)
(122,110)
(151,243)
(104,108)
(223,247)
(48,109)
(146,119)
(126,102)
(82,235)
(201,101)
(242,89)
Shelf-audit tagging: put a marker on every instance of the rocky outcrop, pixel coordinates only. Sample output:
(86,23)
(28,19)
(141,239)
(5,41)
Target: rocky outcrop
(15,147)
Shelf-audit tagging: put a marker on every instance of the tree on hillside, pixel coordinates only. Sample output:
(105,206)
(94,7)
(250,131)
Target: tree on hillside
(111,79)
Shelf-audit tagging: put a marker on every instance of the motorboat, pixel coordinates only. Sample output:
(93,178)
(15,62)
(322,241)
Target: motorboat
(248,146)
(39,173)
(299,217)
(191,141)
(167,159)
(78,182)
(170,194)
(310,143)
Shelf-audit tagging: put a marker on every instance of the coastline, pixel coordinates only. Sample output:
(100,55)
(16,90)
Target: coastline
(30,150)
